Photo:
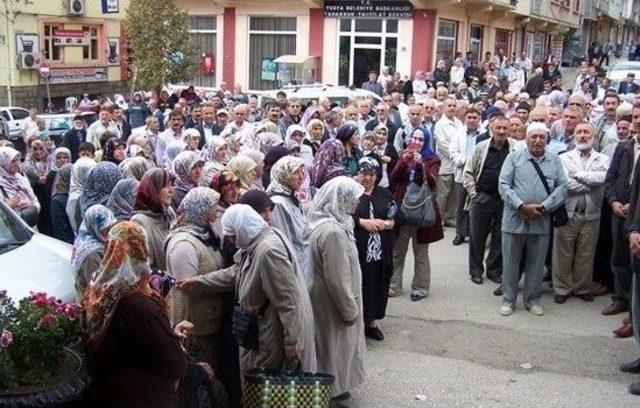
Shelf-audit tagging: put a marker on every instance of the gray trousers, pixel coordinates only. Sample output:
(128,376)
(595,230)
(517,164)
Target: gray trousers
(485,216)
(620,262)
(534,247)
(421,266)
(462,215)
(446,197)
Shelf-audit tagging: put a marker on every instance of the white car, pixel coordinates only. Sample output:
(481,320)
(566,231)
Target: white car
(336,94)
(15,117)
(32,262)
(618,72)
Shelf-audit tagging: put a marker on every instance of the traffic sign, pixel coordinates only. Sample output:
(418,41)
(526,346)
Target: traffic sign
(44,70)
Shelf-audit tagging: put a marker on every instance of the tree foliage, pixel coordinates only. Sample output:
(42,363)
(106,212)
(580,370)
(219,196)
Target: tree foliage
(159,48)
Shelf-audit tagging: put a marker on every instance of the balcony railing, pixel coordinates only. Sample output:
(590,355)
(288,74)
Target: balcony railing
(555,11)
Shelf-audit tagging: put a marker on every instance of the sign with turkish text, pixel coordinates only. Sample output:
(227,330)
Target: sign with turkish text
(368,9)
(110,6)
(556,46)
(77,75)
(70,37)
(44,70)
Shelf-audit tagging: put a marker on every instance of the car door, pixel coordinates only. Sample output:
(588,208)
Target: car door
(18,115)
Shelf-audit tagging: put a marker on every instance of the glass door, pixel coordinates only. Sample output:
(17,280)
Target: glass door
(364,60)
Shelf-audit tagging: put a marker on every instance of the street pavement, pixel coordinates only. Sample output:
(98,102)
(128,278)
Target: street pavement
(453,349)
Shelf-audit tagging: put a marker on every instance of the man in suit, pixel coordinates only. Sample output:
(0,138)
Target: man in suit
(124,128)
(382,118)
(628,86)
(74,136)
(616,190)
(634,248)
(208,127)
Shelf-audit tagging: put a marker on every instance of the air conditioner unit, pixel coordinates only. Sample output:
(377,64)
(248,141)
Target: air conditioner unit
(76,7)
(28,60)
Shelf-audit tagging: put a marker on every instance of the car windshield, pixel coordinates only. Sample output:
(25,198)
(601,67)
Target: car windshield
(628,66)
(13,232)
(59,124)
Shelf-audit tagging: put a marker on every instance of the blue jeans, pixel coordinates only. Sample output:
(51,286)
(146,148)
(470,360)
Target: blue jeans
(534,248)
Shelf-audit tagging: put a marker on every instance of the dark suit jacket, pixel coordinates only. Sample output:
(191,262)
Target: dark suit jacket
(616,183)
(391,128)
(626,88)
(215,130)
(72,140)
(633,219)
(125,130)
(534,86)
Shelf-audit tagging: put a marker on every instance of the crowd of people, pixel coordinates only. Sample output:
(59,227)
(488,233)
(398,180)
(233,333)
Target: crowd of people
(191,214)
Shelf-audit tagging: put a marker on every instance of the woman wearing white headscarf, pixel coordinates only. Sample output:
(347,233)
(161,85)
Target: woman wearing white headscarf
(258,157)
(271,287)
(336,291)
(287,175)
(81,169)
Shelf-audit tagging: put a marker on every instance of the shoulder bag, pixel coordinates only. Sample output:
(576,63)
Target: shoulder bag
(559,216)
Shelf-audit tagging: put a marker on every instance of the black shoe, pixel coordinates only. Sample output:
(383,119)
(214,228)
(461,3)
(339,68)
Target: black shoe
(374,333)
(342,397)
(632,367)
(635,388)
(498,291)
(477,280)
(458,240)
(495,278)
(560,299)
(587,297)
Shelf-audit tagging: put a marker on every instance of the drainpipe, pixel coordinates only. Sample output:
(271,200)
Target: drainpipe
(8,44)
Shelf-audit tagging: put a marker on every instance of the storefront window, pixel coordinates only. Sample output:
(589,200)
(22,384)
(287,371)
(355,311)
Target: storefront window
(366,45)
(503,40)
(202,30)
(446,40)
(269,38)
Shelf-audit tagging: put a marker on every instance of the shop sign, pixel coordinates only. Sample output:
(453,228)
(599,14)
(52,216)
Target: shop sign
(110,6)
(268,72)
(77,75)
(368,9)
(70,37)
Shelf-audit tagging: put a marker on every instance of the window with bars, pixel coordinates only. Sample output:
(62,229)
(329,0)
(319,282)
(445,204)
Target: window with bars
(203,33)
(269,38)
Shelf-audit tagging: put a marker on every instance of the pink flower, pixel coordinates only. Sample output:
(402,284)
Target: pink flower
(47,319)
(71,310)
(6,338)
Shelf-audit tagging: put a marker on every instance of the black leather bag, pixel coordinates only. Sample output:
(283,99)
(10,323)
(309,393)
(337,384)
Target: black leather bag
(245,327)
(559,216)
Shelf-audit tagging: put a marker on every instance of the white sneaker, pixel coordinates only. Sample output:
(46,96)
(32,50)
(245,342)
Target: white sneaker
(505,310)
(536,310)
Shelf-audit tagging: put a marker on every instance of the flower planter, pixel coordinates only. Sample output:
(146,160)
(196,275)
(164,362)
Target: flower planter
(65,389)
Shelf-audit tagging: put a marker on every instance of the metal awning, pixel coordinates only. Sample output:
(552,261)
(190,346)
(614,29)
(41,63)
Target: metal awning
(293,59)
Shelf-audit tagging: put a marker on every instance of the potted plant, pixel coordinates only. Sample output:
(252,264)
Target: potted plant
(37,365)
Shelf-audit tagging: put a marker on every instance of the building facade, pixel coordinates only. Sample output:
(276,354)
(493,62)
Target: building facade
(348,40)
(78,40)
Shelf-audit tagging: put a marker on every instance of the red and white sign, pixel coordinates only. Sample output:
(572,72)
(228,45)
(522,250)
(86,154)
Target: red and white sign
(70,37)
(45,71)
(207,63)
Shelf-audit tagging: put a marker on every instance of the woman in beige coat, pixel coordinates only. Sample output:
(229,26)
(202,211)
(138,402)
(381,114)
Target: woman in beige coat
(336,291)
(153,212)
(193,249)
(268,284)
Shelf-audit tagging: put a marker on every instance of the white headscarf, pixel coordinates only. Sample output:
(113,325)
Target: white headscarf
(81,169)
(332,202)
(243,222)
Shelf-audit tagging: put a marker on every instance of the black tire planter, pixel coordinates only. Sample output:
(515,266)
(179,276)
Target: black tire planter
(65,394)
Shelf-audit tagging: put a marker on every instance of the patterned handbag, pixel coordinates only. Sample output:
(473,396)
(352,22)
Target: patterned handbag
(293,389)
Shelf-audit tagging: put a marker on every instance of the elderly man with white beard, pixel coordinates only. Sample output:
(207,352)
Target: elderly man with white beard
(574,244)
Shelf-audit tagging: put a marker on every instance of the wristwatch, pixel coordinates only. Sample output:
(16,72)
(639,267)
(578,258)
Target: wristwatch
(387,225)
